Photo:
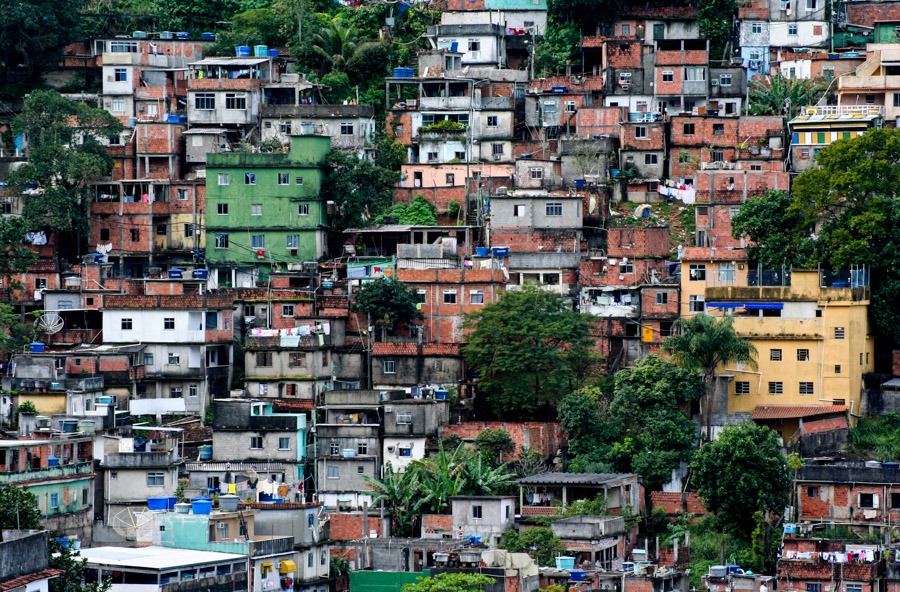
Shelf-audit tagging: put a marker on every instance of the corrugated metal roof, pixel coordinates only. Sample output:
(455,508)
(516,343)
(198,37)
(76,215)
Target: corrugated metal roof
(795,411)
(573,478)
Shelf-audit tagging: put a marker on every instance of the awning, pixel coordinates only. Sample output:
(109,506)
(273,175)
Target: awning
(763,412)
(747,305)
(287,567)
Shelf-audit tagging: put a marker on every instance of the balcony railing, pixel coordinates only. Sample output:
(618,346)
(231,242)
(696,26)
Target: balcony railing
(71,470)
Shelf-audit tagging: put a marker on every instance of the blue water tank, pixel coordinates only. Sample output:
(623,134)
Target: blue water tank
(158,503)
(176,274)
(182,35)
(242,51)
(200,274)
(207,36)
(260,51)
(500,251)
(206,452)
(273,53)
(482,251)
(52,461)
(579,183)
(36,347)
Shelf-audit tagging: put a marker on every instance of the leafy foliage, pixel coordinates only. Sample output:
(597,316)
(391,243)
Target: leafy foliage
(58,162)
(877,436)
(450,582)
(26,407)
(419,212)
(778,95)
(741,473)
(19,509)
(387,302)
(556,47)
(493,444)
(428,484)
(192,15)
(538,542)
(529,349)
(777,231)
(703,343)
(714,18)
(32,36)
(73,566)
(15,256)
(362,188)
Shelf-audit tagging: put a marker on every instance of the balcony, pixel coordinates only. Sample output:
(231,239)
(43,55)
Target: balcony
(141,460)
(88,383)
(47,473)
(317,111)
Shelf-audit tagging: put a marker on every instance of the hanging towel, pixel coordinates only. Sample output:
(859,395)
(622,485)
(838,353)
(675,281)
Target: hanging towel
(290,341)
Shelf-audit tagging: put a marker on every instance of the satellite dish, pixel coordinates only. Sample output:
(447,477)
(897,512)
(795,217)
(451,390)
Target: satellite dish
(49,323)
(132,524)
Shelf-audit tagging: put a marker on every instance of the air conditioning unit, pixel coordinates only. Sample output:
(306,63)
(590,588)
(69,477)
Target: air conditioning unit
(388,409)
(626,86)
(498,156)
(391,449)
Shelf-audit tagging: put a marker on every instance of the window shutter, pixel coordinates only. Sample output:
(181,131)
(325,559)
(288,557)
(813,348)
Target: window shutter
(858,500)
(875,502)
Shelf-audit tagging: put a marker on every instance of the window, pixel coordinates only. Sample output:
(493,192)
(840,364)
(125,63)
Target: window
(148,359)
(697,303)
(221,241)
(256,442)
(222,209)
(519,210)
(554,209)
(256,209)
(156,479)
(689,129)
(54,500)
(449,296)
(497,149)
(812,492)
(284,127)
(333,473)
(174,359)
(838,332)
(837,368)
(726,272)
(188,230)
(804,153)
(360,469)
(792,29)
(135,235)
(662,297)
(474,45)
(284,443)
(626,30)
(175,392)
(813,587)
(346,128)
(756,27)
(258,241)
(263,359)
(303,209)
(868,500)
(404,418)
(492,121)
(742,387)
(570,106)
(719,130)
(668,76)
(192,390)
(895,500)
(802,355)
(205,101)
(284,178)
(84,497)
(405,451)
(249,178)
(236,101)
(362,448)
(651,159)
(389,366)
(870,99)
(224,179)
(695,74)
(161,230)
(640,131)
(420,296)
(807,388)
(626,267)
(476,512)
(536,173)
(450,179)
(812,5)
(776,388)
(287,310)
(896,99)
(292,241)
(725,79)
(299,180)
(118,105)
(5,207)
(775,355)
(169,323)
(126,325)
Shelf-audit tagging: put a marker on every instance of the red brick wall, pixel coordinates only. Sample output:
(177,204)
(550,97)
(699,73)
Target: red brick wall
(754,9)
(544,437)
(698,57)
(668,88)
(439,197)
(622,54)
(866,13)
(639,242)
(349,527)
(895,367)
(600,120)
(654,140)
(535,241)
(677,503)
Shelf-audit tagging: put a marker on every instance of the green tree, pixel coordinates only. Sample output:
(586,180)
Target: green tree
(540,543)
(64,152)
(73,566)
(778,234)
(192,15)
(261,25)
(360,188)
(741,473)
(419,212)
(387,303)
(493,444)
(703,343)
(650,411)
(556,47)
(401,497)
(335,43)
(15,256)
(19,509)
(778,95)
(450,582)
(530,349)
(580,418)
(33,34)
(715,18)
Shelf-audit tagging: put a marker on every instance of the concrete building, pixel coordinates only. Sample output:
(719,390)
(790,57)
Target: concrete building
(24,561)
(539,494)
(487,517)
(818,126)
(264,211)
(408,426)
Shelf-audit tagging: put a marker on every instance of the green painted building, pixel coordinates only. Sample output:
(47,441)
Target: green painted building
(264,210)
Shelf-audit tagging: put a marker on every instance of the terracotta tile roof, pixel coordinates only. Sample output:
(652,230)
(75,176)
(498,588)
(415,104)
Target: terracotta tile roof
(795,411)
(825,425)
(584,84)
(289,405)
(22,581)
(412,349)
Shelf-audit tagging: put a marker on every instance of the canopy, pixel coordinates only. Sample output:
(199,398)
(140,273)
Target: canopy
(747,305)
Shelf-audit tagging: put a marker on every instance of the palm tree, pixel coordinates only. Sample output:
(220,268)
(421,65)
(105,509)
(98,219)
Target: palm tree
(777,95)
(398,493)
(704,343)
(335,44)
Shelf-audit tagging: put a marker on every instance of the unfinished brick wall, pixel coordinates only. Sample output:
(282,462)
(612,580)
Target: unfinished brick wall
(675,503)
(349,526)
(542,437)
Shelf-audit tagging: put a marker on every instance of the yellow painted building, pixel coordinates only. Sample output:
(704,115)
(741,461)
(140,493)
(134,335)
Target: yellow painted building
(812,338)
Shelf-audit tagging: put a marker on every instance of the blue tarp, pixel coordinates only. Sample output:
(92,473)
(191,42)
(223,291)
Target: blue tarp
(747,305)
